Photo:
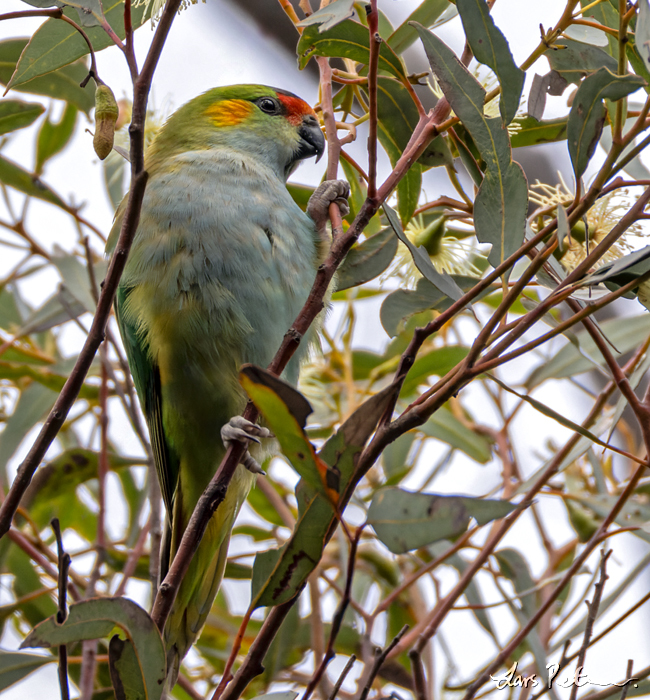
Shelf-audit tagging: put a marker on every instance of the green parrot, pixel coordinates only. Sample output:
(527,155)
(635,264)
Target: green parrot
(222,262)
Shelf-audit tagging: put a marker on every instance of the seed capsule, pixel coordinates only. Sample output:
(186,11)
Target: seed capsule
(106,113)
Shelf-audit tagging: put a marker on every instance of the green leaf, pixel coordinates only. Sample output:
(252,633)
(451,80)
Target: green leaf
(394,457)
(426,13)
(624,333)
(502,200)
(56,43)
(34,403)
(62,84)
(587,115)
(434,364)
(279,574)
(330,15)
(444,426)
(533,132)
(367,260)
(500,211)
(285,410)
(95,619)
(621,271)
(346,40)
(15,114)
(404,520)
(574,60)
(53,137)
(14,176)
(126,675)
(114,167)
(514,567)
(14,666)
(441,280)
(491,48)
(406,302)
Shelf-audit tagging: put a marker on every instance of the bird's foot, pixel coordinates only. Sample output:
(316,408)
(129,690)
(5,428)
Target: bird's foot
(328,192)
(238,429)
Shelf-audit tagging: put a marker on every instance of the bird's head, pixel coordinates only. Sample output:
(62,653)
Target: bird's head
(274,125)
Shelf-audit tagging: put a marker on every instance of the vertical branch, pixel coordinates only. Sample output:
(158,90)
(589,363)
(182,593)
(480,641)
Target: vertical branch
(375,42)
(337,620)
(62,613)
(591,617)
(333,142)
(89,647)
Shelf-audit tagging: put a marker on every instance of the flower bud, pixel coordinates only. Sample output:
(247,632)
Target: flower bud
(106,113)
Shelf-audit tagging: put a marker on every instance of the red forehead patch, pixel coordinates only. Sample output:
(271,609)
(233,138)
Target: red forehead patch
(296,108)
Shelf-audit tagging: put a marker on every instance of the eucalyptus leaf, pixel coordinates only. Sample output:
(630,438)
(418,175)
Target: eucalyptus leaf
(444,426)
(279,574)
(53,137)
(14,666)
(574,60)
(426,13)
(13,175)
(96,618)
(502,201)
(15,114)
(346,40)
(405,521)
(624,333)
(56,43)
(367,260)
(330,15)
(587,115)
(491,48)
(642,32)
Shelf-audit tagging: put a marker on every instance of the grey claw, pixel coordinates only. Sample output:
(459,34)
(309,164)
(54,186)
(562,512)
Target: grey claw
(251,464)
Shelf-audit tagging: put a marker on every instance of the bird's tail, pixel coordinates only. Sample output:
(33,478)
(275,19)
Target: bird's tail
(201,583)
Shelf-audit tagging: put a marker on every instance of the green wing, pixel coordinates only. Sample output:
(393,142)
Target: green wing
(146,377)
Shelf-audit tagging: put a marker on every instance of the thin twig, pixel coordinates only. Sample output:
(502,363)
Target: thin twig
(337,620)
(339,682)
(379,662)
(373,64)
(591,618)
(419,680)
(62,613)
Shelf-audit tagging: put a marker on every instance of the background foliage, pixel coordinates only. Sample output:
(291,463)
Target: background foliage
(486,292)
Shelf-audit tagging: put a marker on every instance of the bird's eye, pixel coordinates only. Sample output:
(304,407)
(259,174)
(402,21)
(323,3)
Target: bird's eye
(268,105)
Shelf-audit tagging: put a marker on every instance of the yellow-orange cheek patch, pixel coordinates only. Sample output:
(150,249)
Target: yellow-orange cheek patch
(229,112)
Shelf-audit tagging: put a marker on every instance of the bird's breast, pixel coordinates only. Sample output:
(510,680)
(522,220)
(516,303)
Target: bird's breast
(223,259)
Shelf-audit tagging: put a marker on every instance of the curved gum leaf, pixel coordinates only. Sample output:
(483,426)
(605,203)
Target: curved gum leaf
(491,48)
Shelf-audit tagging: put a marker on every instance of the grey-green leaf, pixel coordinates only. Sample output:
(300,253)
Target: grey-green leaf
(404,520)
(14,666)
(367,260)
(426,13)
(62,84)
(54,136)
(15,114)
(642,33)
(574,60)
(624,333)
(56,44)
(587,115)
(96,618)
(501,203)
(13,175)
(491,48)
